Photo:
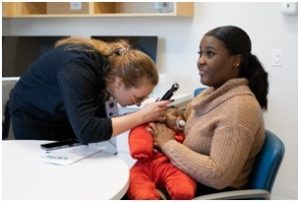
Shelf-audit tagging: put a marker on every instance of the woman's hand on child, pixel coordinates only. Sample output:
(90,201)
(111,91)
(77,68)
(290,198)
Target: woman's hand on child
(161,133)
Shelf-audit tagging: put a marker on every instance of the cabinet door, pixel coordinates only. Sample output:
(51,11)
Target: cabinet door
(66,8)
(22,9)
(95,9)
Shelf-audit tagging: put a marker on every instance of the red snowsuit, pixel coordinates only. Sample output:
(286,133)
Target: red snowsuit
(153,170)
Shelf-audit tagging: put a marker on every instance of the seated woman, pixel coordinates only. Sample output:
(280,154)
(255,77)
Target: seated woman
(153,170)
(225,128)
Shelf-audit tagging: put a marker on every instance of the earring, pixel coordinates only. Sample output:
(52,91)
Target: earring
(237,65)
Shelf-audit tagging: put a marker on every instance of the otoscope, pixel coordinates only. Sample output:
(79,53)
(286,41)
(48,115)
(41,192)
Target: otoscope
(170,92)
(180,123)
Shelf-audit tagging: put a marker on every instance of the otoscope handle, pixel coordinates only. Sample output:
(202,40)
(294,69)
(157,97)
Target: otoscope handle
(170,92)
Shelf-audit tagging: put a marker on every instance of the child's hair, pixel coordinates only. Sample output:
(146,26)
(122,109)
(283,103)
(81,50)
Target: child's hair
(181,112)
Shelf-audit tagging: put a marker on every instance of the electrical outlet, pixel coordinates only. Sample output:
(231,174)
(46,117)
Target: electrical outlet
(276,57)
(289,8)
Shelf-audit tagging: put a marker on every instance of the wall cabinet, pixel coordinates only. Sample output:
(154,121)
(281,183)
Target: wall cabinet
(95,9)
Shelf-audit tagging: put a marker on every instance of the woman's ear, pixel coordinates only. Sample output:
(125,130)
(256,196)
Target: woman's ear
(118,82)
(237,60)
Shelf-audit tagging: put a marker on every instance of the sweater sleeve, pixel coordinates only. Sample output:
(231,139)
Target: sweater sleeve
(78,86)
(229,151)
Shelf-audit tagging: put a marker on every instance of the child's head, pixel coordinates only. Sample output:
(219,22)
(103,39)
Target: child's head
(174,116)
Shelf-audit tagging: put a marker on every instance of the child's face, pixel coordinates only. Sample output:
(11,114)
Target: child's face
(173,114)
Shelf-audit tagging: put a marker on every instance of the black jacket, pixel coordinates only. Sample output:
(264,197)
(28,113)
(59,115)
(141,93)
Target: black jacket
(66,86)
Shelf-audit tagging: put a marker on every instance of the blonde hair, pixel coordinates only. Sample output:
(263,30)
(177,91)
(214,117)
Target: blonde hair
(129,64)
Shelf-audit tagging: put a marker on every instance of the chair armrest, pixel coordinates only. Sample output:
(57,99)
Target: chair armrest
(237,194)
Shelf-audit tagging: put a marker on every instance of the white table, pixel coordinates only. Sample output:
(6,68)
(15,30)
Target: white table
(101,176)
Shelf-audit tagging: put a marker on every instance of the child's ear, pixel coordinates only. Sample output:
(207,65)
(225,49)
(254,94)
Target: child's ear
(182,114)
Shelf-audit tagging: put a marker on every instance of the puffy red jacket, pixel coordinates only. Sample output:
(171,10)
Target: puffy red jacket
(153,170)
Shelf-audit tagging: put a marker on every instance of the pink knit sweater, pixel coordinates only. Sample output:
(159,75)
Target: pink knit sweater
(224,133)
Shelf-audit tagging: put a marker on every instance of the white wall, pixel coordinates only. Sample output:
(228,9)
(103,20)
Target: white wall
(177,55)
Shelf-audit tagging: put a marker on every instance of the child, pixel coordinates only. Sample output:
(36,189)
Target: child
(153,170)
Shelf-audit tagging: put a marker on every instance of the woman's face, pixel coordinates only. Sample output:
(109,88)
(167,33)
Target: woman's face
(215,64)
(134,95)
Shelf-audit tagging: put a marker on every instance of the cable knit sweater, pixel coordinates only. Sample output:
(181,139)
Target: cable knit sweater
(224,132)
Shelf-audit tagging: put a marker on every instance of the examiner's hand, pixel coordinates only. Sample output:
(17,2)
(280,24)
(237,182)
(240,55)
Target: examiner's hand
(161,133)
(154,111)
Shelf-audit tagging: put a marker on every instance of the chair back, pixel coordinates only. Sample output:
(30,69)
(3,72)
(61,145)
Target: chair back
(267,163)
(8,84)
(197,91)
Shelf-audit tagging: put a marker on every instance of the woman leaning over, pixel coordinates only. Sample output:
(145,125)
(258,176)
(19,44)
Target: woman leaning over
(68,91)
